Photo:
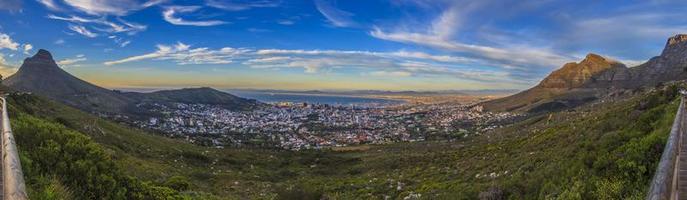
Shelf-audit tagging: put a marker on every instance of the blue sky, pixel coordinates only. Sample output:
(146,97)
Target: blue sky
(328,44)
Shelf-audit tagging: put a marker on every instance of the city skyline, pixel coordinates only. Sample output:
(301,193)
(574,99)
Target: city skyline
(338,45)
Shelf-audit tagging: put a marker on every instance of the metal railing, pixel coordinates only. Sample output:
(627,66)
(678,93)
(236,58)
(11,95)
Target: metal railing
(12,176)
(664,184)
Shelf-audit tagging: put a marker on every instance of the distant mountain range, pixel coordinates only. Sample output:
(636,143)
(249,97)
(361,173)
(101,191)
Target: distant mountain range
(40,74)
(595,77)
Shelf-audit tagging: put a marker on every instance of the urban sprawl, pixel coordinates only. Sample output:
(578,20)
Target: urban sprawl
(298,126)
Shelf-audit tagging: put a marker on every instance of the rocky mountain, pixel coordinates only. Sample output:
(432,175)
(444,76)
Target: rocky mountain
(40,74)
(595,77)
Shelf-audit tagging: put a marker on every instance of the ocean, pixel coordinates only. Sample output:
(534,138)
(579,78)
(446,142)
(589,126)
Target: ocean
(269,97)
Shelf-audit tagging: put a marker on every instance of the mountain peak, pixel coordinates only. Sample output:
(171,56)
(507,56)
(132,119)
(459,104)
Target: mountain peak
(43,55)
(573,75)
(597,59)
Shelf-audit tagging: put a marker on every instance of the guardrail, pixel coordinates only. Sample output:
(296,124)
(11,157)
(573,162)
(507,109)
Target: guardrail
(13,185)
(665,181)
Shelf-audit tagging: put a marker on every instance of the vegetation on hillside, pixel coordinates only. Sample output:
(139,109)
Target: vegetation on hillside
(599,151)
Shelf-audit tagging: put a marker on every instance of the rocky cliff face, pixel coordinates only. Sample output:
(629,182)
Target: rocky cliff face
(595,76)
(669,66)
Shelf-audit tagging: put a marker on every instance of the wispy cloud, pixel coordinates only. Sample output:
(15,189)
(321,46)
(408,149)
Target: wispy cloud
(169,14)
(399,63)
(232,5)
(335,16)
(105,7)
(110,27)
(82,30)
(50,4)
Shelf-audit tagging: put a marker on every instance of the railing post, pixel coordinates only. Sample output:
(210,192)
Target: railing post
(14,187)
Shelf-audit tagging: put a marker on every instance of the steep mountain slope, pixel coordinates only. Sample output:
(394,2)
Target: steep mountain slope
(41,75)
(596,77)
(565,87)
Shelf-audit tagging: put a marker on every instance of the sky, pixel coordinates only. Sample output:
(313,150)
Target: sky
(330,44)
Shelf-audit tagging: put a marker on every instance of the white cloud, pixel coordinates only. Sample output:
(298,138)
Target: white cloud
(82,30)
(399,64)
(27,49)
(334,15)
(59,42)
(232,5)
(110,7)
(169,14)
(7,43)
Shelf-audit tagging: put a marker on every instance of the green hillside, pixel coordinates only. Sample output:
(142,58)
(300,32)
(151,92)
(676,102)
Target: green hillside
(592,152)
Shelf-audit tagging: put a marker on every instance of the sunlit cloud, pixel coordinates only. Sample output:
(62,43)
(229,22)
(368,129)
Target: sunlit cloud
(7,43)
